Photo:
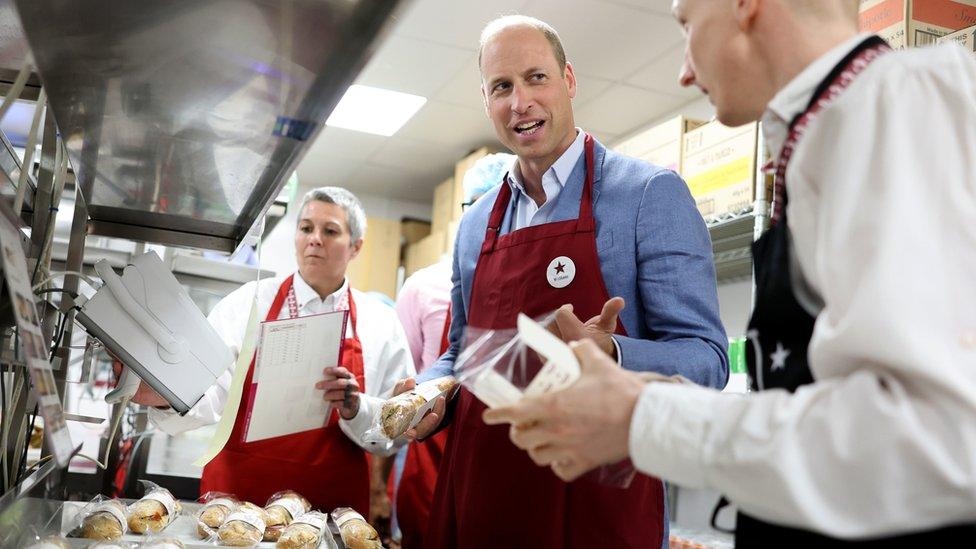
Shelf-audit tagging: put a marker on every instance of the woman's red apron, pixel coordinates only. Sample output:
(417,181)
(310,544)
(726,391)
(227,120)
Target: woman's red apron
(416,489)
(489,493)
(323,465)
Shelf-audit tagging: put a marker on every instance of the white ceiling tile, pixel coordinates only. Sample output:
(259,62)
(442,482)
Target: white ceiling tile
(656,6)
(624,108)
(345,143)
(607,40)
(435,161)
(589,88)
(391,183)
(443,124)
(453,22)
(317,170)
(661,74)
(463,88)
(413,66)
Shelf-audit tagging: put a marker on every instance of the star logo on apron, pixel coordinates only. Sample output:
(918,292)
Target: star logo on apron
(561,272)
(779,357)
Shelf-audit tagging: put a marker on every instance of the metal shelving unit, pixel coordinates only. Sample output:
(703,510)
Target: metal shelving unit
(733,234)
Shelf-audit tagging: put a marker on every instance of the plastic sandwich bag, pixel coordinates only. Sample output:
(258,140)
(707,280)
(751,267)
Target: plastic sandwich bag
(502,366)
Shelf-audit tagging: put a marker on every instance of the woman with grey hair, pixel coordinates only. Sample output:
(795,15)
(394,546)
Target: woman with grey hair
(327,465)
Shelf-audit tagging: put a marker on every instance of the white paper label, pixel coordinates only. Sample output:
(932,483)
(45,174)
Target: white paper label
(313,519)
(346,517)
(552,377)
(164,497)
(113,508)
(429,389)
(247,516)
(292,505)
(494,390)
(224,502)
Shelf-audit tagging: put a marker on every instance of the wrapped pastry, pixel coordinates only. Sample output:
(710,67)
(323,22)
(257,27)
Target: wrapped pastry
(214,512)
(243,528)
(155,511)
(106,521)
(50,542)
(282,508)
(400,413)
(355,531)
(305,532)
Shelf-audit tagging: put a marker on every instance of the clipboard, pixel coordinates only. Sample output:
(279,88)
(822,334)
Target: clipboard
(289,360)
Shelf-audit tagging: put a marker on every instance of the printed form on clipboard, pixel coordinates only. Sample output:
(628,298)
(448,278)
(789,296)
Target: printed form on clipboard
(289,360)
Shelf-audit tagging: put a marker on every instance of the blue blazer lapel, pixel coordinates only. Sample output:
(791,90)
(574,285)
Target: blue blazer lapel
(567,204)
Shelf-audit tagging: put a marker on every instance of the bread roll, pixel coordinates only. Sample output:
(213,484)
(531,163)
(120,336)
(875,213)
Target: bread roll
(106,521)
(244,527)
(213,514)
(355,531)
(155,511)
(305,532)
(282,509)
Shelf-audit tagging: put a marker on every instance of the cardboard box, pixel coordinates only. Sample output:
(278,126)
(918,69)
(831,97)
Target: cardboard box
(425,252)
(720,167)
(911,23)
(452,229)
(375,268)
(443,206)
(661,144)
(965,38)
(459,170)
(412,230)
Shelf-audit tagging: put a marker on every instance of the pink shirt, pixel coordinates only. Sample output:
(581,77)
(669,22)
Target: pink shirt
(422,307)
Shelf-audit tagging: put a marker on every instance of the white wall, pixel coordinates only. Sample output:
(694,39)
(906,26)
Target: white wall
(735,301)
(278,249)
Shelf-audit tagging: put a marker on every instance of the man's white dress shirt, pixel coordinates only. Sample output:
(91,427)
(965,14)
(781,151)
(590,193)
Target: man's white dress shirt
(882,203)
(386,356)
(527,212)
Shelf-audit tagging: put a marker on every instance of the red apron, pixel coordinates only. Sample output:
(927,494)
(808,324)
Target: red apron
(419,478)
(322,464)
(489,493)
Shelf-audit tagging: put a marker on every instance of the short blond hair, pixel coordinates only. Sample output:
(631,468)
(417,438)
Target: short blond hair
(511,21)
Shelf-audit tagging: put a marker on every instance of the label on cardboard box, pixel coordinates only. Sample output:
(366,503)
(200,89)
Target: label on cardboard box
(909,23)
(661,144)
(719,167)
(965,38)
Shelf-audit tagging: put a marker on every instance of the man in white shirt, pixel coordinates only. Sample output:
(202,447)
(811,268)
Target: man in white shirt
(327,465)
(864,284)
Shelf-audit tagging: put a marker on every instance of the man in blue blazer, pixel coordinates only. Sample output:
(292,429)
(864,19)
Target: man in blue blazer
(571,225)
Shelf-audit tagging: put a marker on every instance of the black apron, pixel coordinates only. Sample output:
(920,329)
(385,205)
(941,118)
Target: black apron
(781,327)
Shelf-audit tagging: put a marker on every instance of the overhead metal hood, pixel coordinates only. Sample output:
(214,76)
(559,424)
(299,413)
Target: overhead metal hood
(184,118)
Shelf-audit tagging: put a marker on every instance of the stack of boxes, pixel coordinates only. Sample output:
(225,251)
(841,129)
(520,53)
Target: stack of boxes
(448,197)
(911,23)
(719,166)
(718,162)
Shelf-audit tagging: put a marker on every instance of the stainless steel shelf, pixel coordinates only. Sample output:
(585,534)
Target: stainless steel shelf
(732,238)
(183,120)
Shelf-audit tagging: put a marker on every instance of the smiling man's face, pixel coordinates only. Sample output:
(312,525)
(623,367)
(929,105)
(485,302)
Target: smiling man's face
(528,95)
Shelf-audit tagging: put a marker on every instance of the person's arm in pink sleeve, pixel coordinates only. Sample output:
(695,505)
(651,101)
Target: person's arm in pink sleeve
(408,309)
